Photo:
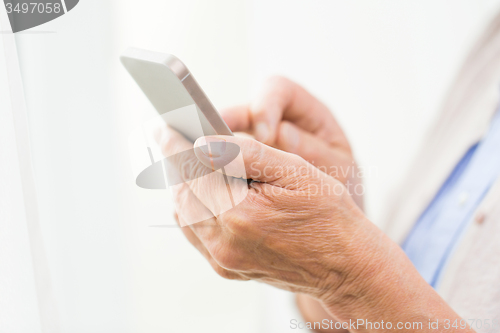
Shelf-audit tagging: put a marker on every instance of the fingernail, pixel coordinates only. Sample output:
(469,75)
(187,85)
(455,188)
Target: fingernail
(211,147)
(262,132)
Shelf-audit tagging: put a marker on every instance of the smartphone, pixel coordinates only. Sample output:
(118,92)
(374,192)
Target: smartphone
(174,93)
(183,105)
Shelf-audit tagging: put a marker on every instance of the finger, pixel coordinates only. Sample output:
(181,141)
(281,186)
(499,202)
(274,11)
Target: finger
(171,142)
(283,99)
(259,162)
(199,192)
(238,118)
(293,139)
(338,164)
(191,210)
(198,244)
(194,186)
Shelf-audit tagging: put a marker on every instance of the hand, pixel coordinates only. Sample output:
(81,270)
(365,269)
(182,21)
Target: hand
(298,230)
(289,118)
(290,221)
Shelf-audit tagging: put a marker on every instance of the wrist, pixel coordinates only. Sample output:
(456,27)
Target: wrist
(388,289)
(366,280)
(360,263)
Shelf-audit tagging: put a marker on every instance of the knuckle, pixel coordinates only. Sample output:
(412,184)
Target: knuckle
(243,223)
(236,222)
(228,261)
(167,147)
(276,91)
(253,154)
(224,257)
(224,273)
(278,80)
(185,166)
(254,195)
(298,160)
(254,150)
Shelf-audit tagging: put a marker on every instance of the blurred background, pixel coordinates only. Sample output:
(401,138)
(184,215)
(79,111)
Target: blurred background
(383,67)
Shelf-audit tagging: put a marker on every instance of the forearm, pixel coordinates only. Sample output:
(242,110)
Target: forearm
(312,311)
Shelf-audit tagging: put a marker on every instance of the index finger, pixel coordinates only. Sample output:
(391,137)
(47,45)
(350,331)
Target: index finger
(282,99)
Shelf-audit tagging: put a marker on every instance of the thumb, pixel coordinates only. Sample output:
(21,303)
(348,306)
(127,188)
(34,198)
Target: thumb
(254,160)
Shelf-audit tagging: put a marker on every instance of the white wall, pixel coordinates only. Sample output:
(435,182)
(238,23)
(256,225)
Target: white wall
(67,71)
(19,302)
(382,67)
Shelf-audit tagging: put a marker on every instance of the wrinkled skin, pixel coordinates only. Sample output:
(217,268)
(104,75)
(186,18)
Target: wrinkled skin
(287,117)
(286,232)
(273,235)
